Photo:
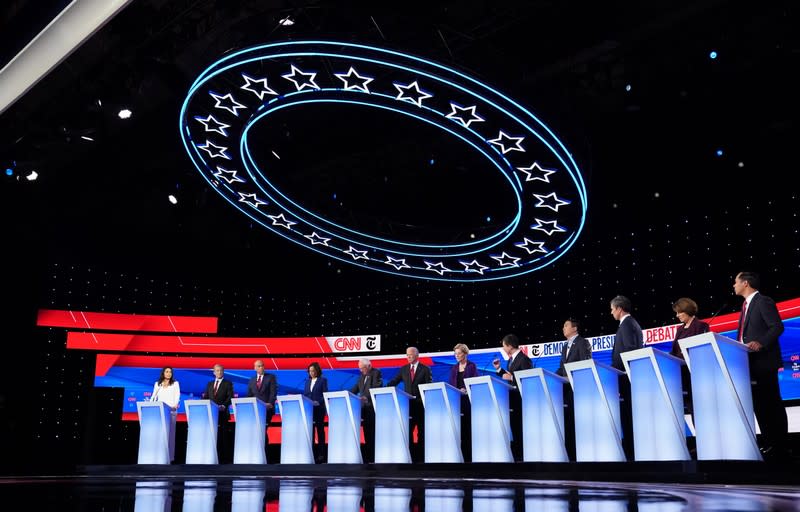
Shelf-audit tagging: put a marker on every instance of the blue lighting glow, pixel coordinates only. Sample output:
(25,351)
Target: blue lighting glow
(9,171)
(247,86)
(712,55)
(719,152)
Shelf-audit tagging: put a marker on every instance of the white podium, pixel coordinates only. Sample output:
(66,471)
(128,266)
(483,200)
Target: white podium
(297,436)
(595,388)
(153,496)
(199,495)
(155,425)
(442,404)
(391,425)
(250,432)
(444,500)
(248,495)
(723,403)
(542,394)
(341,498)
(201,440)
(344,427)
(659,429)
(392,499)
(294,495)
(491,425)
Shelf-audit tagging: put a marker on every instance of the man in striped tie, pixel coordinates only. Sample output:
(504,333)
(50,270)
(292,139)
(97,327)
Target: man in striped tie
(264,386)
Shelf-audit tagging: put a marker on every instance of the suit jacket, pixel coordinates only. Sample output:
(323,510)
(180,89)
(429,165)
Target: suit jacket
(223,397)
(470,370)
(373,379)
(581,350)
(629,337)
(269,389)
(520,362)
(421,376)
(763,324)
(315,394)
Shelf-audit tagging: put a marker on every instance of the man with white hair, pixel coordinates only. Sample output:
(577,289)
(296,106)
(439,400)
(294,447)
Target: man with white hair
(368,378)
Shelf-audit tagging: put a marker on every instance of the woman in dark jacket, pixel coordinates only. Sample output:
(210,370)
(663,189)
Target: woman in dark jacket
(315,385)
(463,369)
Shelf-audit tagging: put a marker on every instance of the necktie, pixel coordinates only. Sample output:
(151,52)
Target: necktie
(740,334)
(258,382)
(216,387)
(412,372)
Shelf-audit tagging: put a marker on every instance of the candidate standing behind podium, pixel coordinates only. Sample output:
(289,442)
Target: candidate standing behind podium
(686,311)
(412,375)
(167,390)
(760,326)
(313,389)
(629,337)
(463,369)
(516,361)
(264,386)
(577,348)
(369,378)
(220,392)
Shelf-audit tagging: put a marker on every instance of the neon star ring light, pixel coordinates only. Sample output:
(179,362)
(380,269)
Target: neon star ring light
(250,87)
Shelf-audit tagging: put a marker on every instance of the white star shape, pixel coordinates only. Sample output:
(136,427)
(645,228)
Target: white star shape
(417,97)
(280,220)
(317,240)
(262,91)
(549,201)
(473,266)
(250,199)
(215,151)
(212,125)
(306,80)
(227,103)
(458,113)
(439,267)
(528,245)
(228,176)
(555,228)
(536,172)
(398,264)
(506,261)
(359,83)
(356,254)
(508,143)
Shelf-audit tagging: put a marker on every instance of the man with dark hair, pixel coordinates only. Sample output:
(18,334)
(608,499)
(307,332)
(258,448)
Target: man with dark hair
(264,386)
(577,348)
(760,327)
(629,337)
(220,392)
(516,361)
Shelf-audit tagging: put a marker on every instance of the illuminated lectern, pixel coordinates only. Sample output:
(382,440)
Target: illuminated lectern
(155,424)
(722,400)
(297,436)
(491,426)
(442,422)
(391,425)
(542,393)
(251,428)
(201,440)
(595,388)
(659,430)
(344,427)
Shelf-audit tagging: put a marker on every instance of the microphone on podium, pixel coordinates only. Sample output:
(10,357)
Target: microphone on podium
(728,301)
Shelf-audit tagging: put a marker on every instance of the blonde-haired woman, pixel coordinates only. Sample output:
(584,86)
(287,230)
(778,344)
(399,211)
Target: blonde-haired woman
(463,369)
(167,390)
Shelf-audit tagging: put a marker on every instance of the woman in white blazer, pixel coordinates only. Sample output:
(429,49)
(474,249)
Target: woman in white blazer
(168,390)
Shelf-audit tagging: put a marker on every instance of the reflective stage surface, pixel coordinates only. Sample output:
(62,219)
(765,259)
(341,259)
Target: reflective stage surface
(139,494)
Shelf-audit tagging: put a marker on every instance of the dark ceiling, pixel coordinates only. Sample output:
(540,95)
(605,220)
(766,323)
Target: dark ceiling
(650,146)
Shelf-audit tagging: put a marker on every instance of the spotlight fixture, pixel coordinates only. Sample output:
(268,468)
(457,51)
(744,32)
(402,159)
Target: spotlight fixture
(172,199)
(87,138)
(124,113)
(712,55)
(286,22)
(32,176)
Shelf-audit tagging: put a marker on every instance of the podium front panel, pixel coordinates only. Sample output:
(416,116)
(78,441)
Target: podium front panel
(444,500)
(248,495)
(442,422)
(293,496)
(341,498)
(491,427)
(344,427)
(153,496)
(542,415)
(392,499)
(154,431)
(251,428)
(493,500)
(201,439)
(296,429)
(199,495)
(391,425)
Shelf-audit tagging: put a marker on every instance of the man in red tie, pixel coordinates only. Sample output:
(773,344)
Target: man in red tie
(760,327)
(264,386)
(412,375)
(220,392)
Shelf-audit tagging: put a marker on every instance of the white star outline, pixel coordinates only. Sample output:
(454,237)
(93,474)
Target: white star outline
(458,114)
(504,258)
(250,199)
(402,90)
(505,149)
(228,176)
(356,254)
(317,240)
(555,227)
(235,105)
(438,267)
(535,167)
(539,246)
(280,220)
(263,91)
(210,148)
(218,126)
(544,202)
(310,83)
(468,266)
(398,264)
(361,84)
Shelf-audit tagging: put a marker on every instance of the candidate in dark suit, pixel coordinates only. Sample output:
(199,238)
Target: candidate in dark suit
(760,327)
(264,386)
(313,389)
(463,369)
(517,361)
(412,375)
(629,337)
(220,392)
(368,378)
(577,348)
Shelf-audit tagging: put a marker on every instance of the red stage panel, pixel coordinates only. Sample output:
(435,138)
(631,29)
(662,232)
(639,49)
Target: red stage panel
(195,344)
(125,322)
